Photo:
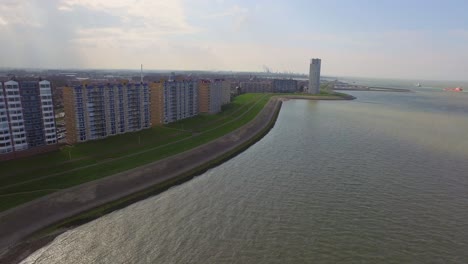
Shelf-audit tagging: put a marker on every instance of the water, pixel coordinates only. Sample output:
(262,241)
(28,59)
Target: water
(426,85)
(381,179)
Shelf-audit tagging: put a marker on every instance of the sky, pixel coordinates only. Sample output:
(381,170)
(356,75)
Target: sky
(410,39)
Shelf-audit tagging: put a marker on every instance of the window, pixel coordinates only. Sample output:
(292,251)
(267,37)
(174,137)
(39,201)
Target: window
(19,136)
(14,105)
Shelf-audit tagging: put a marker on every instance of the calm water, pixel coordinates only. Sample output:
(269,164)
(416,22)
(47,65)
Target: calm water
(382,179)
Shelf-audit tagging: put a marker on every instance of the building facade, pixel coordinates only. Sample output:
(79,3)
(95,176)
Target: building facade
(98,111)
(314,76)
(38,114)
(173,100)
(226,86)
(26,116)
(210,96)
(284,86)
(256,87)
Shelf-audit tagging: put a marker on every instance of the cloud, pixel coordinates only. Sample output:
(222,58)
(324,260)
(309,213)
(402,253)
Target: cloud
(140,24)
(164,16)
(207,35)
(71,33)
(232,11)
(3,22)
(20,12)
(238,16)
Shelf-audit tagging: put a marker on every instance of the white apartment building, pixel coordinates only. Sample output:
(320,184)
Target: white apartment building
(180,99)
(98,111)
(12,130)
(47,108)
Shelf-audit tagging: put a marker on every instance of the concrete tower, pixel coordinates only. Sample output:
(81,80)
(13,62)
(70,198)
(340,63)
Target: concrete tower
(314,76)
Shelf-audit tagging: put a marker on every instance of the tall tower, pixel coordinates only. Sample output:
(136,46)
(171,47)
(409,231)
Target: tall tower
(141,74)
(314,76)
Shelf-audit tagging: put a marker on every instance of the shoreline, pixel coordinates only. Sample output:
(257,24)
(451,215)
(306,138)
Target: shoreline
(375,89)
(33,225)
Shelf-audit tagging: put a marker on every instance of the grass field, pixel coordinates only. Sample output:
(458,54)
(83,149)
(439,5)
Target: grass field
(26,179)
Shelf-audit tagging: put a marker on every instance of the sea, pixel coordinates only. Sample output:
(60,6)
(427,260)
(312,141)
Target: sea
(379,179)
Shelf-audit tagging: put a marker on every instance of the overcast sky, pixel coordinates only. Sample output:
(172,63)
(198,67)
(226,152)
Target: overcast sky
(397,39)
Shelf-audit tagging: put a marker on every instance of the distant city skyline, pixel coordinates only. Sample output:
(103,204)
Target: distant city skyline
(379,39)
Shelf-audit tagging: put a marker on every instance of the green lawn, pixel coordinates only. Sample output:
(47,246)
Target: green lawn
(26,179)
(205,121)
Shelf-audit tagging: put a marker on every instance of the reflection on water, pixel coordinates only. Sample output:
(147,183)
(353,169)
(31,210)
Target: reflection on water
(383,178)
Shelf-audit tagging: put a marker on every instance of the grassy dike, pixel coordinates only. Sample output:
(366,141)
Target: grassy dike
(43,236)
(156,189)
(45,174)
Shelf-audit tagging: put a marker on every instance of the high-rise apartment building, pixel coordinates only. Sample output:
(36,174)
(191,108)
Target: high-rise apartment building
(26,116)
(97,111)
(39,118)
(226,86)
(314,76)
(13,133)
(210,96)
(173,100)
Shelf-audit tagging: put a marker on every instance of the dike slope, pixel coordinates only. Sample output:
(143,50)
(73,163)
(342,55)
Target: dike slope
(22,221)
(19,223)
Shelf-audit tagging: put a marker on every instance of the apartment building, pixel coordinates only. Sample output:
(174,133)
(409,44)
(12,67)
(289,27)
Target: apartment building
(256,87)
(210,96)
(96,111)
(173,100)
(26,116)
(284,86)
(226,86)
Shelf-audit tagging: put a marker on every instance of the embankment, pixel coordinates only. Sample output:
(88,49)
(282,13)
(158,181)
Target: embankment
(17,224)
